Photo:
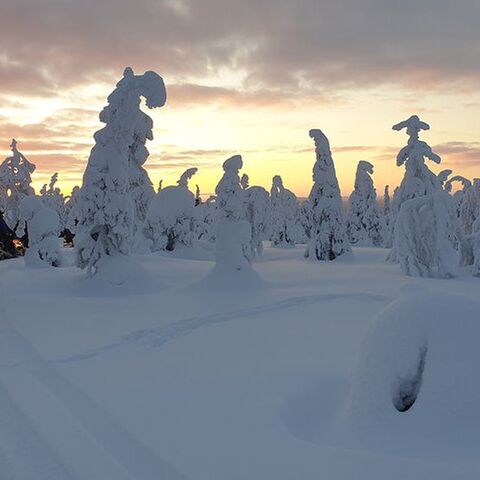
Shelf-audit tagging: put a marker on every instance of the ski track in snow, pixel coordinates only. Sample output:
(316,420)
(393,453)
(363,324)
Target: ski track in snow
(159,336)
(26,455)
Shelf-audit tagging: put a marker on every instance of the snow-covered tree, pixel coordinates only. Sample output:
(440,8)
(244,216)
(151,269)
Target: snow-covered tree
(245,181)
(170,219)
(229,184)
(53,198)
(283,221)
(106,210)
(366,226)
(43,226)
(418,179)
(71,205)
(304,222)
(328,234)
(386,202)
(459,194)
(475,243)
(15,184)
(443,177)
(470,206)
(186,176)
(257,214)
(425,236)
(198,197)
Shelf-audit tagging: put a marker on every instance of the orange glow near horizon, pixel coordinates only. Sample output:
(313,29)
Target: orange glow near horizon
(57,135)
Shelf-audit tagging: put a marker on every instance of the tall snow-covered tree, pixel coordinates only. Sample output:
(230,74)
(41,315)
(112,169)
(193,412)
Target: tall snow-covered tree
(418,180)
(15,183)
(106,210)
(231,205)
(283,208)
(366,226)
(328,233)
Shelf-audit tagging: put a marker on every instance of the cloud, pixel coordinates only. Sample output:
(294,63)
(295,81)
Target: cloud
(289,46)
(459,153)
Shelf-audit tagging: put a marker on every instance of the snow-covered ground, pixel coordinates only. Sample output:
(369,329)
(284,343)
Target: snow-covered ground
(166,377)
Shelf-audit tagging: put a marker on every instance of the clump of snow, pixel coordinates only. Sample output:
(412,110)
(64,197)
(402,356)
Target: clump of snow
(43,227)
(328,233)
(416,379)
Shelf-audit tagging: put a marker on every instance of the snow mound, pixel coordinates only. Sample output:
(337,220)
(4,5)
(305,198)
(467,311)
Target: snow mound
(119,275)
(416,381)
(224,279)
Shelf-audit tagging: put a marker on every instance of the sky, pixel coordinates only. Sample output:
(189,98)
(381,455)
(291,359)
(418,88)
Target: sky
(248,77)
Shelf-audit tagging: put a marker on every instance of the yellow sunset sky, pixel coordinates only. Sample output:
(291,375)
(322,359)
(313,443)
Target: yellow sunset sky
(248,78)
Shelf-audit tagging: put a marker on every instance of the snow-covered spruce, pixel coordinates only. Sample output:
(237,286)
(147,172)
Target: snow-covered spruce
(459,194)
(15,184)
(418,179)
(106,211)
(71,206)
(53,198)
(284,207)
(470,206)
(170,218)
(229,184)
(365,224)
(425,236)
(257,211)
(386,202)
(475,243)
(328,233)
(43,226)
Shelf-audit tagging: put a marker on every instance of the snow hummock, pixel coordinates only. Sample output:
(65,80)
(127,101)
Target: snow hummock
(416,384)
